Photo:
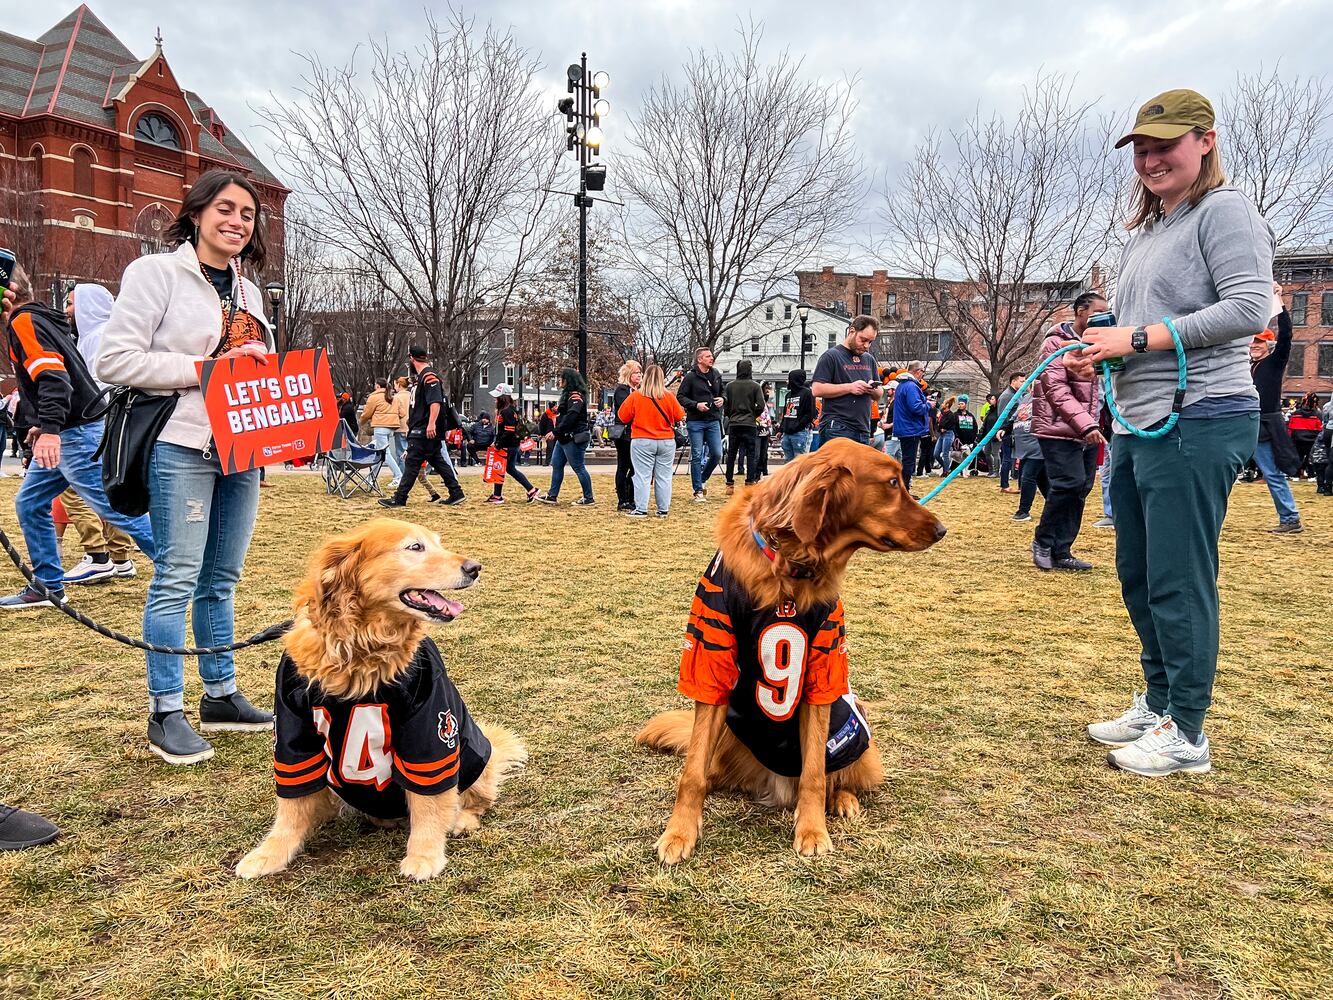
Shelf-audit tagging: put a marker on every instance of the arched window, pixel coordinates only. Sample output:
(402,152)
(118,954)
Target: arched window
(83,171)
(158,130)
(35,177)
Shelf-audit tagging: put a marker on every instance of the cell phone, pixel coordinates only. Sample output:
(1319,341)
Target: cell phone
(7,262)
(874,385)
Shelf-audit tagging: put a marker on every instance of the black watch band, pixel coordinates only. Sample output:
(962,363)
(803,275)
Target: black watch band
(1139,340)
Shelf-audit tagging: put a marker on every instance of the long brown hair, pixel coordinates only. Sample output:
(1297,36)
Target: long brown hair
(1147,207)
(209,185)
(654,383)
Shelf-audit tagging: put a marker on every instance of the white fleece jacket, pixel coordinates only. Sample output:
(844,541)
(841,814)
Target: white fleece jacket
(166,318)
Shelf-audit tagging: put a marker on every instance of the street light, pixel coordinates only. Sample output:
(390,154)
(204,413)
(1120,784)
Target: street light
(583,112)
(803,311)
(276,290)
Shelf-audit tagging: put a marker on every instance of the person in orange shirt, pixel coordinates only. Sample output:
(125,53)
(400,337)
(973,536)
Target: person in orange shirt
(652,414)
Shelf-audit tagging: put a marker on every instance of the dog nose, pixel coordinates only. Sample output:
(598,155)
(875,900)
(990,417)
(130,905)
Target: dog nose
(471,569)
(940,530)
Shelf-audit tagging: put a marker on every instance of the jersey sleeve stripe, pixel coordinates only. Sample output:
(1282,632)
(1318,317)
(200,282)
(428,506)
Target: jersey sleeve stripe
(409,768)
(415,779)
(301,779)
(294,768)
(712,604)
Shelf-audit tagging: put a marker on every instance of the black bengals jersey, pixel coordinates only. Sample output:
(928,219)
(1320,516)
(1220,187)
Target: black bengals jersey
(762,663)
(414,734)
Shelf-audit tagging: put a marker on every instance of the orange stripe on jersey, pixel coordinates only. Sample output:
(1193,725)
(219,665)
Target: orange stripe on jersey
(710,633)
(293,768)
(709,586)
(412,769)
(446,773)
(701,607)
(300,779)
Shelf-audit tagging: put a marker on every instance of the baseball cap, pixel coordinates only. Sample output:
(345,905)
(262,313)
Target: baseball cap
(1265,335)
(503,389)
(418,352)
(1171,115)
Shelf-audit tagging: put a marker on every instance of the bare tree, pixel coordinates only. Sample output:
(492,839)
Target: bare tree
(305,274)
(740,173)
(427,175)
(1002,222)
(1277,145)
(21,215)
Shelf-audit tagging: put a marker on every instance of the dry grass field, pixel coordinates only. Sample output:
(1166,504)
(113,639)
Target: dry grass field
(1003,859)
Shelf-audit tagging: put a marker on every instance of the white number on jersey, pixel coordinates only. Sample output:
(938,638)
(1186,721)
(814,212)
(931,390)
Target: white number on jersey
(782,649)
(365,756)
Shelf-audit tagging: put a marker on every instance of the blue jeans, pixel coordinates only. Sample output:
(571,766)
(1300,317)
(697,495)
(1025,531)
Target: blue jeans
(842,429)
(384,439)
(1273,476)
(652,461)
(704,433)
(568,453)
(1105,473)
(1007,461)
(202,521)
(76,469)
(795,444)
(943,446)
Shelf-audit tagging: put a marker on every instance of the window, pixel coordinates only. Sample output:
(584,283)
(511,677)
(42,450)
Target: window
(1326,310)
(509,340)
(509,375)
(891,304)
(833,338)
(865,304)
(913,305)
(933,343)
(1300,302)
(768,311)
(726,341)
(1326,360)
(158,130)
(83,171)
(786,341)
(485,376)
(36,155)
(786,311)
(754,345)
(1296,363)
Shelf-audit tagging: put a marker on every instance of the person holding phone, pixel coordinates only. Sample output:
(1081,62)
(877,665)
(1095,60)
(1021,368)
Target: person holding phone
(846,379)
(1199,256)
(175,310)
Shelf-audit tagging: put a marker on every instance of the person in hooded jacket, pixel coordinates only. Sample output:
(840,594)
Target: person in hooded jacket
(571,436)
(56,388)
(798,416)
(911,417)
(744,401)
(1305,425)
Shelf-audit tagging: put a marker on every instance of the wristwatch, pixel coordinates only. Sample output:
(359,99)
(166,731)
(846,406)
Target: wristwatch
(1139,340)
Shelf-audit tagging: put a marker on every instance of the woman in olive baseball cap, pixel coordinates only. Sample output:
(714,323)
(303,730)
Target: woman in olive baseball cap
(1200,258)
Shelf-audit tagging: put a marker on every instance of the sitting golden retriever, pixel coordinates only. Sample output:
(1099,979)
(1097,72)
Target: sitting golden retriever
(765,651)
(365,713)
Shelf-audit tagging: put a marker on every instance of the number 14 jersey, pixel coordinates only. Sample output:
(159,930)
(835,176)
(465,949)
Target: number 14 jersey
(762,663)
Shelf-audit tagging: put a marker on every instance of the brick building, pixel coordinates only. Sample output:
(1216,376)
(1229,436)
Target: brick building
(1306,274)
(97,148)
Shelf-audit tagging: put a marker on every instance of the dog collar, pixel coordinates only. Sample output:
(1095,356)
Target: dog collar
(773,554)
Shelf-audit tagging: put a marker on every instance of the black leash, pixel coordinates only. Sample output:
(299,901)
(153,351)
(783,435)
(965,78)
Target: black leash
(268,635)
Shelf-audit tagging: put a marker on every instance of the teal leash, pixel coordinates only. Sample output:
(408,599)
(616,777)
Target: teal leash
(1176,406)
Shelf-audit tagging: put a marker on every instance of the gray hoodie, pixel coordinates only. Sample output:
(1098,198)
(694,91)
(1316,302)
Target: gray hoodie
(1210,269)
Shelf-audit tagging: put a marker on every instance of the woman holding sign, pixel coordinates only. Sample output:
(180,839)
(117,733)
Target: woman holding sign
(174,311)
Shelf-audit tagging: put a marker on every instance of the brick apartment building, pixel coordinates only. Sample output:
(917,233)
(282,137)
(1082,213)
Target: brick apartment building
(97,148)
(1306,274)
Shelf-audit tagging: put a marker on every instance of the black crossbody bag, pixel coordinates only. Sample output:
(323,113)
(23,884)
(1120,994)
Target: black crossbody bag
(134,420)
(682,439)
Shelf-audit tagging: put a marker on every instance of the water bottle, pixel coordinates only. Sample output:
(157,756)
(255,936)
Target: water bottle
(1112,365)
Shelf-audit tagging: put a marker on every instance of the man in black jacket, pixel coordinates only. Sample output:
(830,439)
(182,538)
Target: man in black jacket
(1268,363)
(431,417)
(56,391)
(798,416)
(700,394)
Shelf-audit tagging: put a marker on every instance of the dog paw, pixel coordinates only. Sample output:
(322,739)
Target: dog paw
(259,863)
(423,867)
(845,804)
(811,843)
(676,845)
(466,822)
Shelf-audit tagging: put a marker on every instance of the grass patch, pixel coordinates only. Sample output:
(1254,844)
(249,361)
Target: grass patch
(1002,859)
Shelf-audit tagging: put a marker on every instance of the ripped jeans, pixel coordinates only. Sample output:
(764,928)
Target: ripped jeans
(202,522)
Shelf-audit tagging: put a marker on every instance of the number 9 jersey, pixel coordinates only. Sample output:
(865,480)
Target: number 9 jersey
(762,664)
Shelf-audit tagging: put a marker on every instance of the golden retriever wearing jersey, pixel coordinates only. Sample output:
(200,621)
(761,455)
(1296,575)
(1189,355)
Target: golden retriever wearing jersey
(361,614)
(811,517)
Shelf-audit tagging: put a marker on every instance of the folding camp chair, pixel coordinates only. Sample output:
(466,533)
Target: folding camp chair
(353,468)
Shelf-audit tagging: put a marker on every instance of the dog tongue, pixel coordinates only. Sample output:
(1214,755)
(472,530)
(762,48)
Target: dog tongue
(440,603)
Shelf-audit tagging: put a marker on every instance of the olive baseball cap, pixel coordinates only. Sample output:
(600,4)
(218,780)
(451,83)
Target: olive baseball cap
(1171,115)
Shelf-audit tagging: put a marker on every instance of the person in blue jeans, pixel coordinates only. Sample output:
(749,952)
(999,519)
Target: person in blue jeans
(175,310)
(56,388)
(845,380)
(700,395)
(570,438)
(1269,354)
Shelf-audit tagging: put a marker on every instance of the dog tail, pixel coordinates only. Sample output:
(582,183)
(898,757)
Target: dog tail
(668,731)
(508,752)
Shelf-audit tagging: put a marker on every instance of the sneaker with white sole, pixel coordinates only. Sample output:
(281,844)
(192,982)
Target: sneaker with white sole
(88,570)
(1162,751)
(699,497)
(1137,720)
(29,598)
(125,568)
(1103,522)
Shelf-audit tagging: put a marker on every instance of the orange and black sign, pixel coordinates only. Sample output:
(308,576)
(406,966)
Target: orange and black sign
(264,414)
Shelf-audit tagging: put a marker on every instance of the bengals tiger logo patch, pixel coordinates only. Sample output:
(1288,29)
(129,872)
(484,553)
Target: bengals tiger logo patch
(448,729)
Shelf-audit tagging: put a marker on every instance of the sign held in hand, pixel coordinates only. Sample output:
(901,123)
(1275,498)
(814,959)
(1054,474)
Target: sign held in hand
(262,414)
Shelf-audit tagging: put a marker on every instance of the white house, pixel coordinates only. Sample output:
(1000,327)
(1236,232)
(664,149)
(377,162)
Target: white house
(769,337)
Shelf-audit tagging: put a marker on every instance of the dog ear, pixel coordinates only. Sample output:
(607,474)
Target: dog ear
(334,571)
(820,500)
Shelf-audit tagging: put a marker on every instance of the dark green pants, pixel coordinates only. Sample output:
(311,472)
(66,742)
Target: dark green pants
(1170,497)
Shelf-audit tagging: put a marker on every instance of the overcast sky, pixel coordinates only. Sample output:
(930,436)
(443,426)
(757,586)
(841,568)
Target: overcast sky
(920,64)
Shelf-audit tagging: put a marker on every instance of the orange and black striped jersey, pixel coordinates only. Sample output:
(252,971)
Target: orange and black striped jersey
(413,735)
(762,663)
(55,387)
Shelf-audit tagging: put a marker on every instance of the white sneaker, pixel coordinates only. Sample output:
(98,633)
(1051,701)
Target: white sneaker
(87,571)
(1123,731)
(125,568)
(1162,751)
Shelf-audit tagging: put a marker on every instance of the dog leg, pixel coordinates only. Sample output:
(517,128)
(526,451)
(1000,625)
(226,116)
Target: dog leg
(508,754)
(295,821)
(812,837)
(843,802)
(687,818)
(433,816)
(861,776)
